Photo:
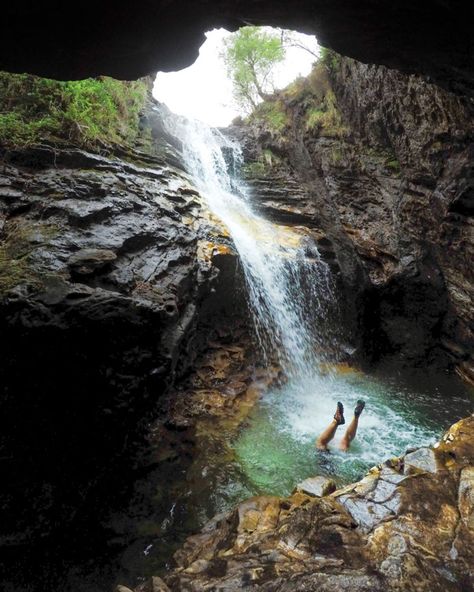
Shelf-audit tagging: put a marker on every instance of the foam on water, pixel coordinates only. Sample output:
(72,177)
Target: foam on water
(277,448)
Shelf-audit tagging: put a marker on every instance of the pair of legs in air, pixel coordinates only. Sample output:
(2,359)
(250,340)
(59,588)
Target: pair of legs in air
(351,431)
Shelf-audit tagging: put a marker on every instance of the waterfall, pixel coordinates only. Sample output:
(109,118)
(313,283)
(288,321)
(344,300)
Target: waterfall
(289,285)
(291,299)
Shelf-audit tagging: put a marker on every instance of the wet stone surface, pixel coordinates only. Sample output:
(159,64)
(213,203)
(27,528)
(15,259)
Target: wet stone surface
(382,533)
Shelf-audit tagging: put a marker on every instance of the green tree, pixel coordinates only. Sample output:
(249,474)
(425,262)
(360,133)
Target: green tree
(250,56)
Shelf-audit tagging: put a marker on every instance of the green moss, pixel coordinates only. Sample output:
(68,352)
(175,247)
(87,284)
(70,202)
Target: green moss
(393,164)
(314,118)
(262,166)
(85,112)
(330,58)
(269,157)
(296,89)
(19,242)
(273,114)
(386,157)
(254,169)
(326,117)
(336,155)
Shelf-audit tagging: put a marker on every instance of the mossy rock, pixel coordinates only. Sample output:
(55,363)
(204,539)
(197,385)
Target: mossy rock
(21,238)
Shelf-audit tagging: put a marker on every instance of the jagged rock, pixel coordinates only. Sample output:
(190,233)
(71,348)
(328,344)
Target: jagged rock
(387,193)
(316,486)
(87,261)
(102,278)
(383,533)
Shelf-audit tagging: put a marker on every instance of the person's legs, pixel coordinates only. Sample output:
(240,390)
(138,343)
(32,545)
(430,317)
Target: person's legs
(350,434)
(328,434)
(352,427)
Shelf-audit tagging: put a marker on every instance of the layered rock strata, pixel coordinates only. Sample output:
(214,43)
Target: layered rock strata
(106,261)
(382,164)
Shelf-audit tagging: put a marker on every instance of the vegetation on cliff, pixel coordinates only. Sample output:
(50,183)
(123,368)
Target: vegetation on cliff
(310,104)
(315,97)
(85,112)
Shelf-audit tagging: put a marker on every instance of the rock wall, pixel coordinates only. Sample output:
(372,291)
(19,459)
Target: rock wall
(106,262)
(142,37)
(382,164)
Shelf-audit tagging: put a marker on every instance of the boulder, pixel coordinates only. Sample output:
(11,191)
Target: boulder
(316,486)
(423,459)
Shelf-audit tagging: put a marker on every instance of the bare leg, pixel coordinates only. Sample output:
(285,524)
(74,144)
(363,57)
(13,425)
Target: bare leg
(350,434)
(352,427)
(328,434)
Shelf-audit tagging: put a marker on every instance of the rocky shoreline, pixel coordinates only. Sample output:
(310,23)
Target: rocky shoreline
(407,525)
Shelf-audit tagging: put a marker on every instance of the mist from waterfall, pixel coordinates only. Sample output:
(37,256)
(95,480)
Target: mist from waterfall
(289,285)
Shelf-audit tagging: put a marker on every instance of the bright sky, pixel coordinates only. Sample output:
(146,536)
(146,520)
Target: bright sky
(203,90)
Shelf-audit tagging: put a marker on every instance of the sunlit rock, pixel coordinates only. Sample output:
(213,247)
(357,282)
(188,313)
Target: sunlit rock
(423,459)
(316,486)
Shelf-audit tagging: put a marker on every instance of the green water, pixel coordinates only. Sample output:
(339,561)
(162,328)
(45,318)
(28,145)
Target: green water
(276,450)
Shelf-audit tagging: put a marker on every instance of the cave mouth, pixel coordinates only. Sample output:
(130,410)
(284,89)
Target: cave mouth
(142,37)
(204,90)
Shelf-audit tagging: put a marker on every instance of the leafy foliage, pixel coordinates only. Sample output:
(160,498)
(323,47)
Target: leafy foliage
(260,167)
(250,56)
(19,239)
(274,115)
(85,112)
(326,117)
(393,164)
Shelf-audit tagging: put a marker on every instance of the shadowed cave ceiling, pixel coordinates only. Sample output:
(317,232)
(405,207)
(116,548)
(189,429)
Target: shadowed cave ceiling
(127,39)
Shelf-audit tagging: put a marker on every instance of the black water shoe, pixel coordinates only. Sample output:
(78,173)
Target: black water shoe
(359,407)
(339,415)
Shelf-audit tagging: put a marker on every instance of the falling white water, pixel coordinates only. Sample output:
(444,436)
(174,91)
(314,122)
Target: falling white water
(289,286)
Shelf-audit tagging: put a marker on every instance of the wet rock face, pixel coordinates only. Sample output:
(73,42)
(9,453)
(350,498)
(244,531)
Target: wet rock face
(390,189)
(102,277)
(405,522)
(143,37)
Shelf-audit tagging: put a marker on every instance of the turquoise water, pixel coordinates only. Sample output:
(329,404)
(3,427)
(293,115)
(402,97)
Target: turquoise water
(276,449)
